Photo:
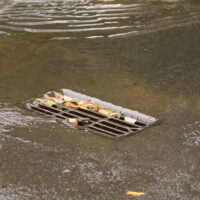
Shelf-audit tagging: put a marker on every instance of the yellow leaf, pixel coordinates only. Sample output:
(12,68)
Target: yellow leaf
(130,120)
(81,104)
(104,111)
(73,121)
(98,106)
(45,101)
(52,98)
(113,113)
(66,171)
(131,193)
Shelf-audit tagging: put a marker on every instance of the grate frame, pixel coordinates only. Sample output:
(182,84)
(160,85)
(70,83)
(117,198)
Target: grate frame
(113,127)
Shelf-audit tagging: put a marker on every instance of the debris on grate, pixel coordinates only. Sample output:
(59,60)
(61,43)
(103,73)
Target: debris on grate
(91,113)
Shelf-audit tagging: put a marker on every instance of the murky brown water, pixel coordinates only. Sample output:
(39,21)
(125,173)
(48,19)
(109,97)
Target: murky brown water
(151,65)
(64,19)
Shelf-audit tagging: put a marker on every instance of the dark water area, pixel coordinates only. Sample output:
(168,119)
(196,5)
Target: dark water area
(142,55)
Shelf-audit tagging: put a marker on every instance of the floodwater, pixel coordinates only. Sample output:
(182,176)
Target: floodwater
(142,55)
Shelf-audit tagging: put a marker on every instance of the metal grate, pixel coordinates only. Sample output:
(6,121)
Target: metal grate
(109,126)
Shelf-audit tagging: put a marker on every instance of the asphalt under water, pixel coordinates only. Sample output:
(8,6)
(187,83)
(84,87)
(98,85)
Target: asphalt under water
(151,66)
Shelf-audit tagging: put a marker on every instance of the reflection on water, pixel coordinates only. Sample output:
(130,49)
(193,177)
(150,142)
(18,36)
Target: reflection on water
(63,19)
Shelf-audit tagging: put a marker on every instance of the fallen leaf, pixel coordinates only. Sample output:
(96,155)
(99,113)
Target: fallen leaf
(45,101)
(130,120)
(73,121)
(52,98)
(131,193)
(60,96)
(66,171)
(66,98)
(103,111)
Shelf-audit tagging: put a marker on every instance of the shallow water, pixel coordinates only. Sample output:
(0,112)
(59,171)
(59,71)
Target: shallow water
(93,19)
(151,66)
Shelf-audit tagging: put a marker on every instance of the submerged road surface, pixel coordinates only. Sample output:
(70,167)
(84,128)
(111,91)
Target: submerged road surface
(137,54)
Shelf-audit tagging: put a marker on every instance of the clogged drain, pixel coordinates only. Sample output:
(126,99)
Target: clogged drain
(91,113)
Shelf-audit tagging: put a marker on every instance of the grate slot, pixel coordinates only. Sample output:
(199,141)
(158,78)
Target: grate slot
(41,110)
(113,130)
(66,113)
(82,112)
(46,109)
(49,108)
(60,117)
(114,125)
(104,132)
(140,123)
(47,112)
(84,115)
(69,115)
(99,115)
(119,121)
(136,129)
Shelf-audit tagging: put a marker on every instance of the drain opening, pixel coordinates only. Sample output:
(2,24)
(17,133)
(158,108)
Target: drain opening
(97,118)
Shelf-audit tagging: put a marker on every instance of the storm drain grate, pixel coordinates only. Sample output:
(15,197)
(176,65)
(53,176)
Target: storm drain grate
(111,126)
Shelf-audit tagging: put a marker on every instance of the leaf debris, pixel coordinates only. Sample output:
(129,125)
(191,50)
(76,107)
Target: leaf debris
(131,193)
(66,171)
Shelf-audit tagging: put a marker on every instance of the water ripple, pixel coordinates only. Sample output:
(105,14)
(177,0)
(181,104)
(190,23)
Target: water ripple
(61,18)
(13,117)
(192,134)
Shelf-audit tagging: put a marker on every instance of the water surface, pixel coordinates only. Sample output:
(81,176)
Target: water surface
(148,62)
(73,19)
